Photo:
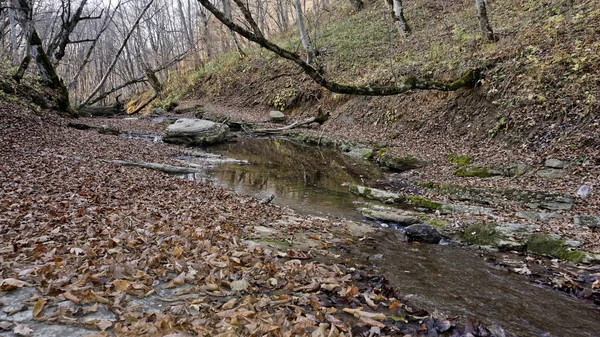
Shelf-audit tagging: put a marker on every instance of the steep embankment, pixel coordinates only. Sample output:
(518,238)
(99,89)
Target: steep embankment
(539,94)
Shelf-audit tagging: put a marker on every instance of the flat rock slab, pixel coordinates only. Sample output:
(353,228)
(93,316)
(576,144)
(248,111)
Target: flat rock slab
(190,131)
(376,194)
(277,116)
(396,216)
(551,173)
(591,221)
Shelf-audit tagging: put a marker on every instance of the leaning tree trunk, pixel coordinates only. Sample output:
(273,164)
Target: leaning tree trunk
(484,23)
(310,53)
(358,5)
(399,18)
(47,73)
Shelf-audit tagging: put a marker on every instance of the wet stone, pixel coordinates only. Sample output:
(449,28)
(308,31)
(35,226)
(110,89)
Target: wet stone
(422,233)
(360,153)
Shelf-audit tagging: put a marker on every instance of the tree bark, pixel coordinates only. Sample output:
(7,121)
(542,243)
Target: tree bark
(310,53)
(236,43)
(484,23)
(399,18)
(468,79)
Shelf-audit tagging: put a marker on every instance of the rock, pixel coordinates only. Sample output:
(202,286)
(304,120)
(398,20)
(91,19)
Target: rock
(399,164)
(583,191)
(573,243)
(375,194)
(516,170)
(157,112)
(187,108)
(422,233)
(213,117)
(509,245)
(515,229)
(477,171)
(360,153)
(195,132)
(397,216)
(551,173)
(591,221)
(108,130)
(466,209)
(535,216)
(276,116)
(555,163)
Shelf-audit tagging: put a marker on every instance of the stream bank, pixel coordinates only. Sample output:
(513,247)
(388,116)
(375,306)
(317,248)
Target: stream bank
(151,232)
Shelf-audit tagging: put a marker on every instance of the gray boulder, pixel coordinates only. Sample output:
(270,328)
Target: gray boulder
(422,233)
(191,131)
(591,221)
(277,116)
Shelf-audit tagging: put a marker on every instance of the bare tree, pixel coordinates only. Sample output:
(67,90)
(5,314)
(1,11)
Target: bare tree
(116,57)
(484,23)
(399,18)
(310,53)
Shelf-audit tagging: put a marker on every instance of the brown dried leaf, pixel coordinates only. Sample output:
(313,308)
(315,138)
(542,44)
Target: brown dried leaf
(103,324)
(121,285)
(38,307)
(69,295)
(12,284)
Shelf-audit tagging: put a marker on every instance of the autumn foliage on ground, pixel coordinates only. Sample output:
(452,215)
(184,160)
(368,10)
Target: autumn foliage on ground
(164,255)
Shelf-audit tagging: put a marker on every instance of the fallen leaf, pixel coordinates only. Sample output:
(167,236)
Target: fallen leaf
(22,330)
(177,251)
(121,285)
(69,295)
(38,307)
(12,284)
(103,324)
(358,313)
(240,285)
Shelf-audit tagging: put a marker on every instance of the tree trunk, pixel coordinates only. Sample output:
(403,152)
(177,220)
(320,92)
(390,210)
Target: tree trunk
(234,39)
(310,53)
(484,24)
(47,73)
(358,5)
(399,18)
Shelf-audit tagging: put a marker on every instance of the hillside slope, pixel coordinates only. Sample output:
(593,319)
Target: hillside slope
(541,89)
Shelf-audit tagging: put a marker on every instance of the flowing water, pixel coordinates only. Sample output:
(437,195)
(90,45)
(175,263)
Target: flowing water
(310,180)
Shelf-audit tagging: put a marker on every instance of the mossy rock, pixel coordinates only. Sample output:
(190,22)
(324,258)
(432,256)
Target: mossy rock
(543,244)
(474,171)
(459,160)
(439,224)
(399,164)
(424,202)
(484,234)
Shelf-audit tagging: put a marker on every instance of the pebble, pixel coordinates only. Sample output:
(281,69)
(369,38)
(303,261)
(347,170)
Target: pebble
(583,191)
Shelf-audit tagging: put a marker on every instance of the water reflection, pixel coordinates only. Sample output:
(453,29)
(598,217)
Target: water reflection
(305,178)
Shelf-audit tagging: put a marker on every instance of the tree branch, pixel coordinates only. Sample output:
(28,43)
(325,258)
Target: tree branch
(468,79)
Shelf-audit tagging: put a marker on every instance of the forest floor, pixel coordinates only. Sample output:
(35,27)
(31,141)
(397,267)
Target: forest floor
(92,248)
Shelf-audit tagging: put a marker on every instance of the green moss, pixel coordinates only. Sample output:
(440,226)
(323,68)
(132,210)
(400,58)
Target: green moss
(424,202)
(473,171)
(360,190)
(368,155)
(439,224)
(393,136)
(484,234)
(427,184)
(459,160)
(543,244)
(381,152)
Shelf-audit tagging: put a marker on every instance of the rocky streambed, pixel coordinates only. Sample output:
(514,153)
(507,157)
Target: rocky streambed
(346,185)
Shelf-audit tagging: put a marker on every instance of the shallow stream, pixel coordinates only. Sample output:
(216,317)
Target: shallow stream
(457,281)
